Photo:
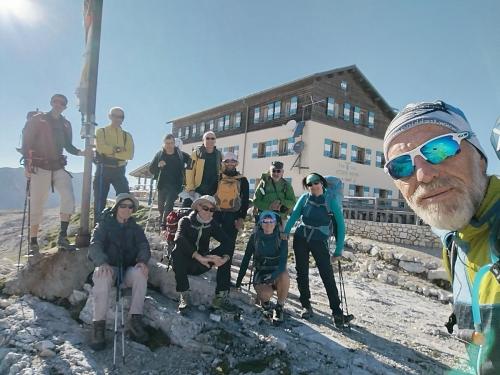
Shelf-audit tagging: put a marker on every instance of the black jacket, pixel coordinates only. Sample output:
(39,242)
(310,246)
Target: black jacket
(189,239)
(114,243)
(180,175)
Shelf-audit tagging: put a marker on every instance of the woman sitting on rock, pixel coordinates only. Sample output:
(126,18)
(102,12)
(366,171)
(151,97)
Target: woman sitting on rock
(321,217)
(270,256)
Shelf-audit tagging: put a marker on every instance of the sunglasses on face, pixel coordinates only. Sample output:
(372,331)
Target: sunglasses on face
(210,138)
(276,171)
(434,151)
(206,208)
(313,183)
(268,221)
(125,205)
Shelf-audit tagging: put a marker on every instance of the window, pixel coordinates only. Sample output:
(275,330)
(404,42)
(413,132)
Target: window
(261,150)
(334,149)
(371,119)
(202,128)
(283,147)
(330,107)
(193,130)
(179,133)
(379,159)
(220,124)
(356,115)
(293,106)
(237,119)
(211,125)
(256,115)
(270,111)
(277,109)
(347,111)
(359,191)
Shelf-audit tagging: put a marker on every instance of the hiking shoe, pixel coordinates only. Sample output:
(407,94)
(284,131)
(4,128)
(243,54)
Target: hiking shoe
(341,320)
(183,301)
(221,302)
(98,341)
(137,329)
(267,309)
(279,313)
(63,244)
(307,313)
(33,249)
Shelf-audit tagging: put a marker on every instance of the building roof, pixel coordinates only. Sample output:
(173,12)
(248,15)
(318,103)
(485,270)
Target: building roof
(363,81)
(142,171)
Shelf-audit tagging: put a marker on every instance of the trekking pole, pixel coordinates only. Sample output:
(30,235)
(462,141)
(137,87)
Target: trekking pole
(343,298)
(123,323)
(26,200)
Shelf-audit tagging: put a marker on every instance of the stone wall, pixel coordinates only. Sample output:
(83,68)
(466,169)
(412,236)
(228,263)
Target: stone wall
(416,235)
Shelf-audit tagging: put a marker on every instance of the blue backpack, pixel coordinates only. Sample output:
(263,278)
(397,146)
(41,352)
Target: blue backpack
(335,189)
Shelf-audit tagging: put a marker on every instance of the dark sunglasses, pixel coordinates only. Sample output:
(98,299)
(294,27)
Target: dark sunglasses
(210,138)
(124,205)
(268,221)
(276,171)
(434,151)
(206,208)
(309,184)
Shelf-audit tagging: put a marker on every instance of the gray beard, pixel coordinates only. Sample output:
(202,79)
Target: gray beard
(457,212)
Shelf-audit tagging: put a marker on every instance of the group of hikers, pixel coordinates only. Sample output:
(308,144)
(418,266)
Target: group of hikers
(442,178)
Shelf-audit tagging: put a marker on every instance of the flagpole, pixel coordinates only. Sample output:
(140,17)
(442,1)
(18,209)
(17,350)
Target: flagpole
(87,101)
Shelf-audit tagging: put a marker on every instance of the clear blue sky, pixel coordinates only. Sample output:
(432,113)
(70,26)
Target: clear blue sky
(164,59)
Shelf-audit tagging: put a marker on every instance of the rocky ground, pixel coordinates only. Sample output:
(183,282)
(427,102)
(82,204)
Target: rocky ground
(394,292)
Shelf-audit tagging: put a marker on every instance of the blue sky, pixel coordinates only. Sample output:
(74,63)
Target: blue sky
(163,59)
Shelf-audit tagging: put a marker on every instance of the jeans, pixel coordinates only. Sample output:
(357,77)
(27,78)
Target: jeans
(104,177)
(166,199)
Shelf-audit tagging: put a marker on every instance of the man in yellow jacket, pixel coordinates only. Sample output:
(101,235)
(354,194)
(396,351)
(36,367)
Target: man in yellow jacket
(114,147)
(203,176)
(439,166)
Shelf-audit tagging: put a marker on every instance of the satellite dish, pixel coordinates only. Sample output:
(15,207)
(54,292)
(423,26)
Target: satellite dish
(178,142)
(298,147)
(290,125)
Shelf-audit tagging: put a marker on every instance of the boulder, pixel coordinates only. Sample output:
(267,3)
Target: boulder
(52,274)
(439,274)
(412,267)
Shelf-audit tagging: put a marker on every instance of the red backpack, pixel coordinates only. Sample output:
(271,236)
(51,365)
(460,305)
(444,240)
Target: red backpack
(172,221)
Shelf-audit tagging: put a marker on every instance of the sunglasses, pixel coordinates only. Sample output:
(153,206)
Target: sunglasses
(210,138)
(276,171)
(309,184)
(434,151)
(124,205)
(268,221)
(206,208)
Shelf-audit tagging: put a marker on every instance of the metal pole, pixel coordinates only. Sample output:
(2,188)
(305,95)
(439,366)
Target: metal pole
(87,96)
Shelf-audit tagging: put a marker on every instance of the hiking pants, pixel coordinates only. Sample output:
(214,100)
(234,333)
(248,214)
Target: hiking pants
(319,250)
(41,183)
(103,178)
(166,199)
(133,278)
(184,265)
(226,220)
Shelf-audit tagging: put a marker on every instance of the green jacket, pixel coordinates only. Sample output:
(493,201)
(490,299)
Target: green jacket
(267,192)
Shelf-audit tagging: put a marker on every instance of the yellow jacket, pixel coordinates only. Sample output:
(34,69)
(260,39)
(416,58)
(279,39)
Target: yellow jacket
(109,137)
(194,175)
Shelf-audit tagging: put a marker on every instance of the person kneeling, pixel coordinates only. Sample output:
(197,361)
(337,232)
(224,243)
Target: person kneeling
(120,251)
(191,255)
(270,256)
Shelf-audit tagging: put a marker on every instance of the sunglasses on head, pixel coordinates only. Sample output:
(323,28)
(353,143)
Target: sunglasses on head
(125,205)
(206,208)
(276,170)
(434,151)
(309,184)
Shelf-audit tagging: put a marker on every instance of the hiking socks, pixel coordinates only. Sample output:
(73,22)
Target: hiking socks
(64,229)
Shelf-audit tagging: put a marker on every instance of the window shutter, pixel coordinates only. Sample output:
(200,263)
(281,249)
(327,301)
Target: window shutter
(378,160)
(291,142)
(269,145)
(371,119)
(354,153)
(356,116)
(347,111)
(293,106)
(236,150)
(256,115)
(237,120)
(277,109)
(330,107)
(327,149)
(274,147)
(251,185)
(343,151)
(255,150)
(366,191)
(352,190)
(368,156)
(376,192)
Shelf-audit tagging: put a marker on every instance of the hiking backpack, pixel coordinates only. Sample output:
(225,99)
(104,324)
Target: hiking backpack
(172,222)
(335,189)
(228,193)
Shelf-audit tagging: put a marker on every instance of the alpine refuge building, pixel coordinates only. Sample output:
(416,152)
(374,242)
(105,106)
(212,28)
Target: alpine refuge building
(332,123)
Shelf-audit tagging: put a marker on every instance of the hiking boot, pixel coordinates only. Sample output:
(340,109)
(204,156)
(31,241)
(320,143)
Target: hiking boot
(183,301)
(267,309)
(137,329)
(341,320)
(221,302)
(279,313)
(307,313)
(33,249)
(63,244)
(98,341)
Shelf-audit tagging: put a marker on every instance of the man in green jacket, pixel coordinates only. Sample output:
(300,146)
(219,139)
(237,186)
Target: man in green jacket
(274,192)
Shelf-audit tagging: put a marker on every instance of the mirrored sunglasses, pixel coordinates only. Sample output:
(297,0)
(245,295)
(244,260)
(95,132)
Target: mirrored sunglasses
(434,151)
(268,221)
(206,208)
